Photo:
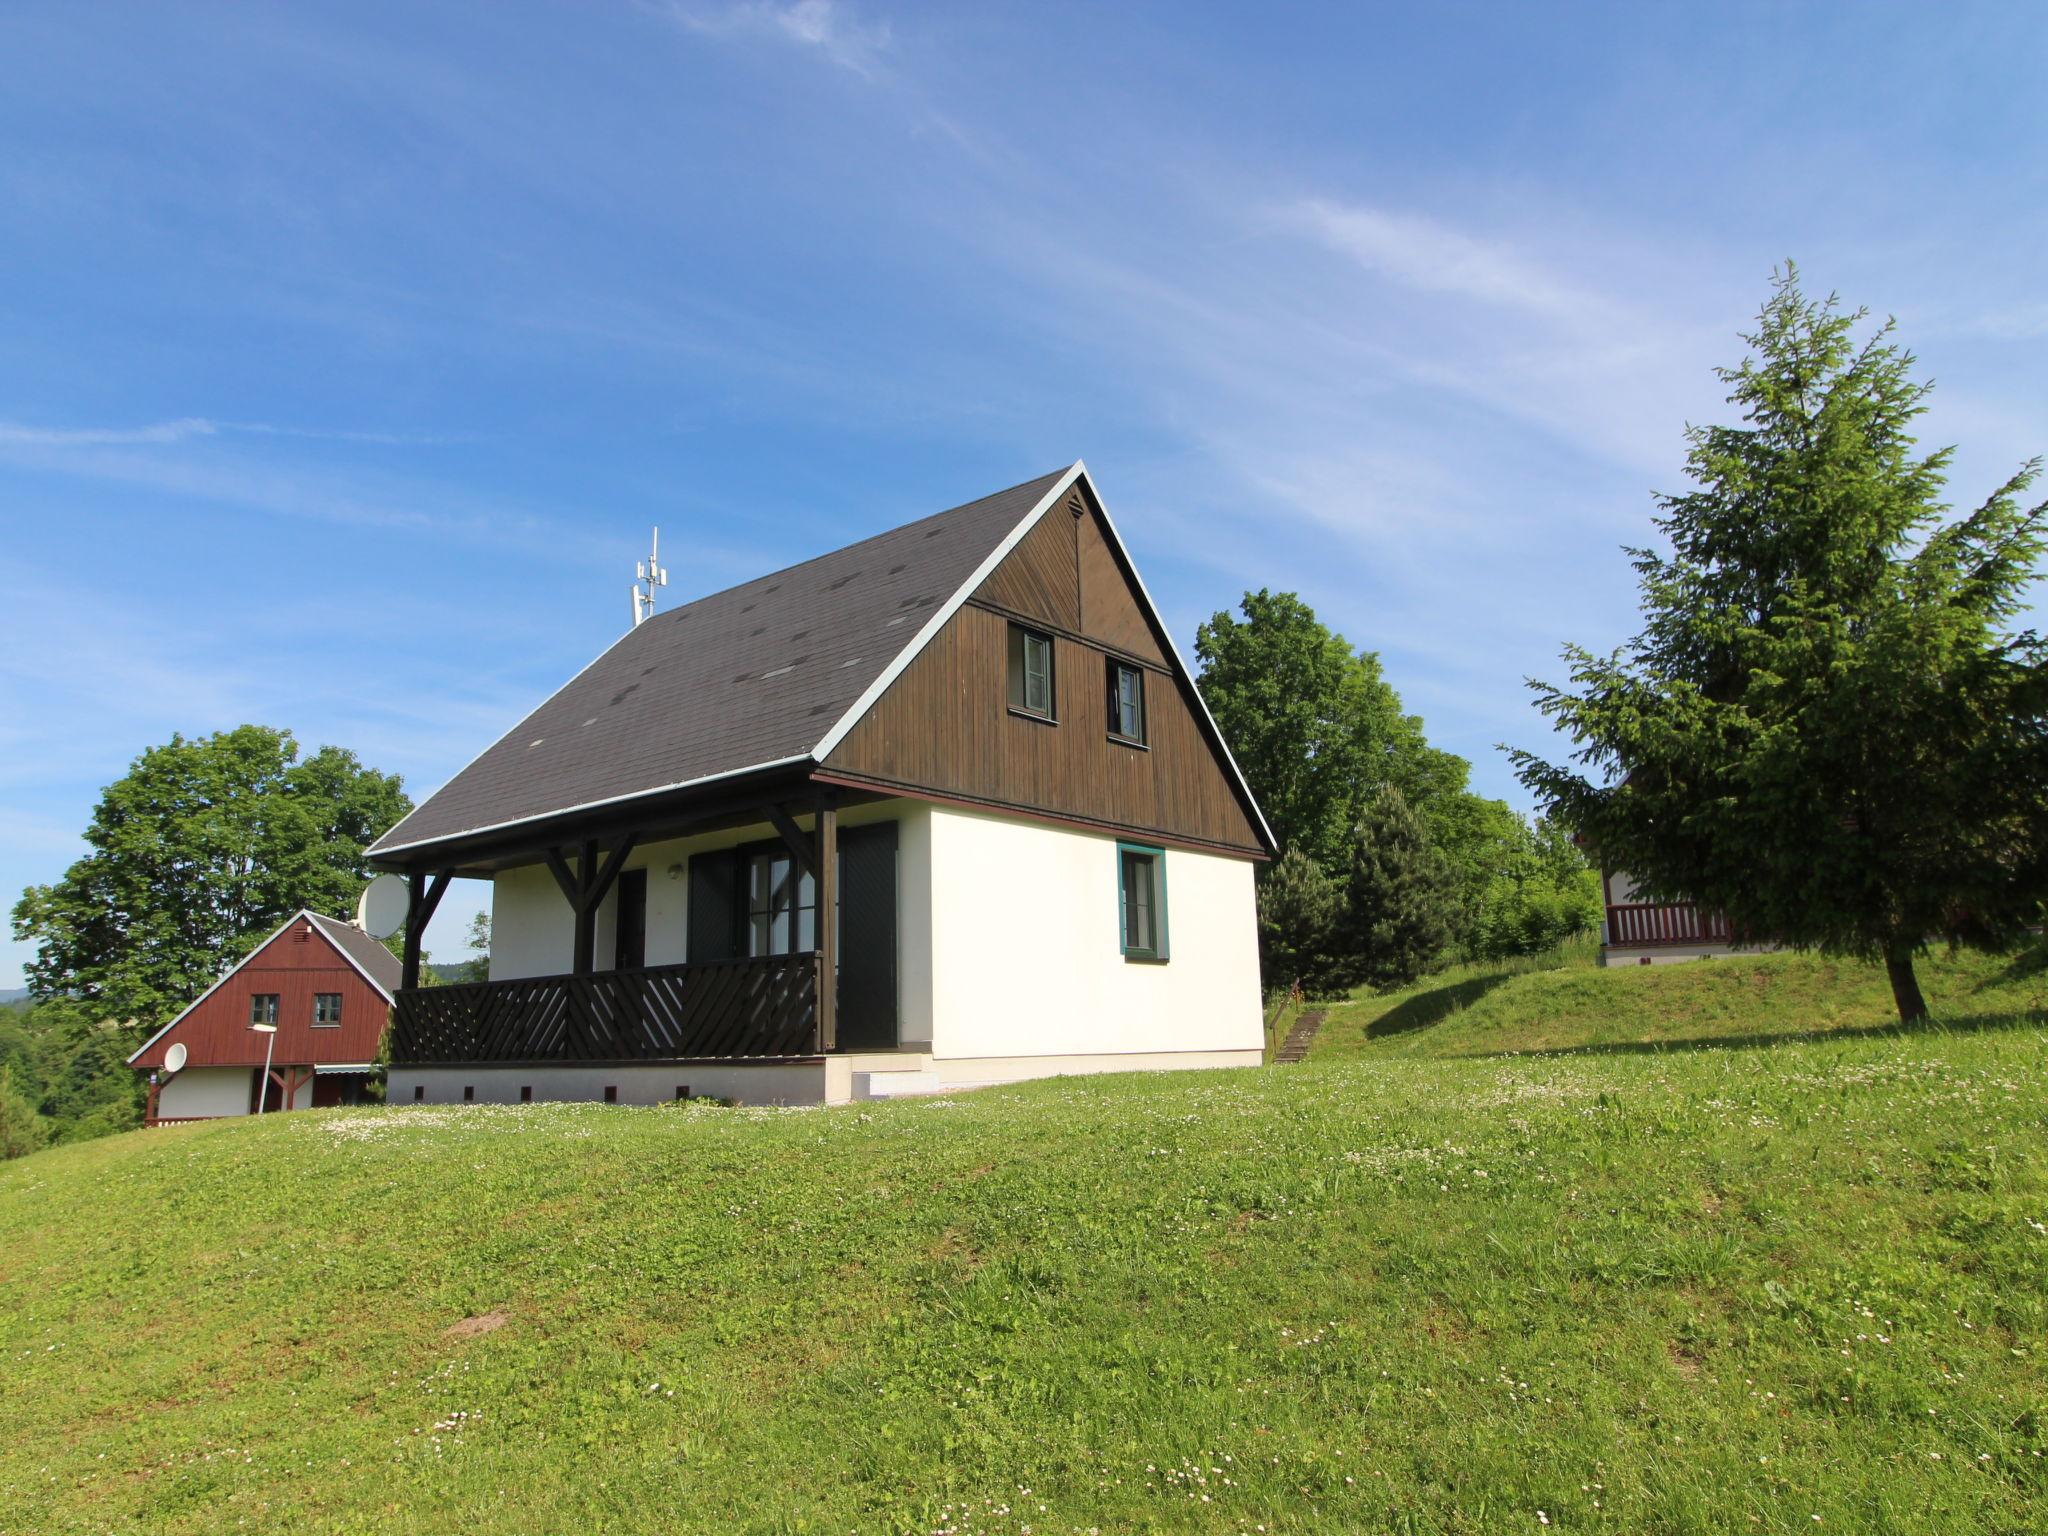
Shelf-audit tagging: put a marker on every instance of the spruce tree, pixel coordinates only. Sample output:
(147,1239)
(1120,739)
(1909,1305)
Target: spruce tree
(1299,905)
(1401,899)
(1829,728)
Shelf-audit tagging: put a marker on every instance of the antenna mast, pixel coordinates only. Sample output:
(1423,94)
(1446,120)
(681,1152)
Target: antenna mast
(648,575)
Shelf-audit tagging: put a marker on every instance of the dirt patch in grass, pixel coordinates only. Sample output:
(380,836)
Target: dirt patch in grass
(473,1327)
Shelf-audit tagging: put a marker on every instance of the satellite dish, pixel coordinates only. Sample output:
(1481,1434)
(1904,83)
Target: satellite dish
(381,911)
(174,1058)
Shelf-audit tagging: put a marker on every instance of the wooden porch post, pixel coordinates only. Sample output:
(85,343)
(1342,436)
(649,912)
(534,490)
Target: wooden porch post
(422,896)
(827,876)
(586,911)
(585,892)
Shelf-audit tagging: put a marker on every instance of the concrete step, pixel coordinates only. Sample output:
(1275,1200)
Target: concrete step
(897,1084)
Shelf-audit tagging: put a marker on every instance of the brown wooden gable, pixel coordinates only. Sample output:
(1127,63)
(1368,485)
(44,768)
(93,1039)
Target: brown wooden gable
(945,726)
(1110,610)
(1040,578)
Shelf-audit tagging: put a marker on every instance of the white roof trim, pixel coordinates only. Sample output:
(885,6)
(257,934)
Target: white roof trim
(588,805)
(830,741)
(220,982)
(1180,666)
(341,949)
(943,612)
(320,1067)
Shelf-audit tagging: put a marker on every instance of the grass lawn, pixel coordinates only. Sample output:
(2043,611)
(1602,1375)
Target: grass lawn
(1564,1002)
(1795,1287)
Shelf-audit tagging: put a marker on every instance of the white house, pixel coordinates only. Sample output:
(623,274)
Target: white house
(941,808)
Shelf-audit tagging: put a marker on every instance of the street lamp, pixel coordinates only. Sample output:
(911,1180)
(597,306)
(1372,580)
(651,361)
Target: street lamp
(263,1097)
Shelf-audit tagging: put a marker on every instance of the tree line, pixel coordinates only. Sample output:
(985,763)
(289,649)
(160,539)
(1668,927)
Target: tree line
(1390,864)
(200,850)
(1831,729)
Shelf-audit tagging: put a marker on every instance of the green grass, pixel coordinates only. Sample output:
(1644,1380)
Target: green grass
(1701,1291)
(1563,1002)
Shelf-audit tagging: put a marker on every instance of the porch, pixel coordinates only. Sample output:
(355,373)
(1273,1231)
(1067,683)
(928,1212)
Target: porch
(1644,925)
(761,1007)
(745,926)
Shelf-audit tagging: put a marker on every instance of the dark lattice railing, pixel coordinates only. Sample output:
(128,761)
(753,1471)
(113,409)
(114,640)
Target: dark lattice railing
(759,1007)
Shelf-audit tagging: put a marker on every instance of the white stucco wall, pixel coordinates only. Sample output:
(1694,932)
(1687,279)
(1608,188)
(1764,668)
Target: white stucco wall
(533,934)
(201,1091)
(1026,959)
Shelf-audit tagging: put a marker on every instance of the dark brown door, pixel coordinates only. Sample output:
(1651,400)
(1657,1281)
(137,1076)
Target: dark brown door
(630,945)
(867,937)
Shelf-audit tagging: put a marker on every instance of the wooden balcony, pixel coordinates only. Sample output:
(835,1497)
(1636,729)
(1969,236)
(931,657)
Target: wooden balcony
(763,1007)
(1645,925)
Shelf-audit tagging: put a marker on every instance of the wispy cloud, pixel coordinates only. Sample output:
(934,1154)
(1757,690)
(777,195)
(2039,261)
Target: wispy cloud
(1422,254)
(16,435)
(828,26)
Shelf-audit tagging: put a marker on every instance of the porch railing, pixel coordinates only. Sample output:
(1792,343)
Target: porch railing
(1678,922)
(767,1006)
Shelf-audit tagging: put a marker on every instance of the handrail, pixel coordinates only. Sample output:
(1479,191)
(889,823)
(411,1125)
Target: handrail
(1643,924)
(762,1006)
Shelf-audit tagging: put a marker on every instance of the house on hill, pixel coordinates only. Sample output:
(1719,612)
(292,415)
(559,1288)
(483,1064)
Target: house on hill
(941,808)
(326,986)
(1639,932)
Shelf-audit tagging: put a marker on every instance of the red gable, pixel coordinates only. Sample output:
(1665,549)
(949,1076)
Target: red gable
(309,957)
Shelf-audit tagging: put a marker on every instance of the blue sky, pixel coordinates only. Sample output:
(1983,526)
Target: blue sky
(348,352)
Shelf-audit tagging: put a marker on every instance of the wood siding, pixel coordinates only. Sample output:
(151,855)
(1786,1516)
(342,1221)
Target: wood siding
(945,726)
(1040,579)
(1110,611)
(296,964)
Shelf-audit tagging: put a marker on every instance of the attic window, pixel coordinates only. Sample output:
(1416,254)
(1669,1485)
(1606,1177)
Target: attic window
(1126,703)
(1031,672)
(263,1008)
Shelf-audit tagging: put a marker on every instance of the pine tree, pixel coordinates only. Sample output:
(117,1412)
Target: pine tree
(1401,898)
(1827,728)
(1299,905)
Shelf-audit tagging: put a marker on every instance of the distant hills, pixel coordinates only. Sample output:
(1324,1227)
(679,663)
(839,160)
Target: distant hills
(16,994)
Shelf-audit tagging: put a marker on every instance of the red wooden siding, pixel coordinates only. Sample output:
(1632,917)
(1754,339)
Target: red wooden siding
(1641,924)
(295,965)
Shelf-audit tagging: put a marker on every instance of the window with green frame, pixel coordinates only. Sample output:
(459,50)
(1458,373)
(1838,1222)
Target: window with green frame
(1141,901)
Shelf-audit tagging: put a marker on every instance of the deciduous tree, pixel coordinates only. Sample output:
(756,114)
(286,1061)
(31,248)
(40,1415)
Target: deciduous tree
(197,852)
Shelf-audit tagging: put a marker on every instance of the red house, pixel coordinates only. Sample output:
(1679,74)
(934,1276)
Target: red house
(327,988)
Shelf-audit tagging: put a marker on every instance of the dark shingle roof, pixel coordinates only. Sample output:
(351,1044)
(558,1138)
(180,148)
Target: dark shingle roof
(377,962)
(747,677)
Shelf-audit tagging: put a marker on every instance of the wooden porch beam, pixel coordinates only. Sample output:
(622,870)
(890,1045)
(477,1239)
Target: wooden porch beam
(421,899)
(801,848)
(827,875)
(602,883)
(585,960)
(572,890)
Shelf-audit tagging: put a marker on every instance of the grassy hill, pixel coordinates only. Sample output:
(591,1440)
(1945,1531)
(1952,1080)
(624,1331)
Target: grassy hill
(1702,1290)
(1564,1002)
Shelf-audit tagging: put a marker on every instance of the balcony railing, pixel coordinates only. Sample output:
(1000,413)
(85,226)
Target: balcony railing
(1679,922)
(766,1006)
